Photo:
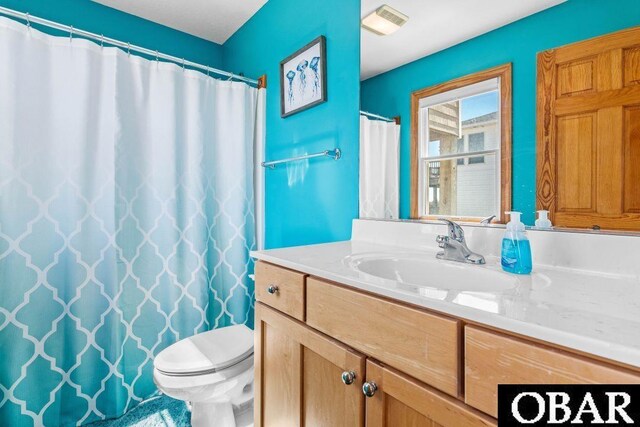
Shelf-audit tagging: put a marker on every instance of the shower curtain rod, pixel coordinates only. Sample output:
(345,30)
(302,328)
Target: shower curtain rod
(395,120)
(128,47)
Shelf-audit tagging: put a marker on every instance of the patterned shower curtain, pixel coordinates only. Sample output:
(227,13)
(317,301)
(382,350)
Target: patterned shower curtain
(126,218)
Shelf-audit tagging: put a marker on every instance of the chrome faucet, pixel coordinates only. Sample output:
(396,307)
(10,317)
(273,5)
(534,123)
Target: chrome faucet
(455,246)
(488,220)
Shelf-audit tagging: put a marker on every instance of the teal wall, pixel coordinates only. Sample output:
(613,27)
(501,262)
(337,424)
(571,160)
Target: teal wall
(99,19)
(575,20)
(313,202)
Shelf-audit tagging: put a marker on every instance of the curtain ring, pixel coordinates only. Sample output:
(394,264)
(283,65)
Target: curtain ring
(28,21)
(207,71)
(101,41)
(71,34)
(182,64)
(157,61)
(128,49)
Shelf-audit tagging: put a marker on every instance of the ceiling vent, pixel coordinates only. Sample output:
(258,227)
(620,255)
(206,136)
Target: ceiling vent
(384,21)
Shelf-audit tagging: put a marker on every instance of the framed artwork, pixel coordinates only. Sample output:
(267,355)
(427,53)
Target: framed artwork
(303,78)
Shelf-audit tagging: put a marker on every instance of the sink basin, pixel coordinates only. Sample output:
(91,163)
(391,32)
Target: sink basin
(433,273)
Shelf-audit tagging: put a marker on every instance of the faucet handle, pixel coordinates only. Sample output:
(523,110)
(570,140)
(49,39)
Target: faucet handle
(442,241)
(455,231)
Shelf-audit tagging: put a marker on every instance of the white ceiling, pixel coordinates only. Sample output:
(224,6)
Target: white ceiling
(213,20)
(435,25)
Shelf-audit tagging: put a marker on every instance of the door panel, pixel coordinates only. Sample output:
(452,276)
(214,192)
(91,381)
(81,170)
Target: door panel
(632,159)
(401,401)
(609,176)
(576,77)
(588,96)
(399,414)
(632,66)
(281,377)
(299,375)
(326,400)
(610,74)
(576,162)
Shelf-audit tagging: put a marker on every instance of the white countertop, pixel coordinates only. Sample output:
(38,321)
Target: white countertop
(596,313)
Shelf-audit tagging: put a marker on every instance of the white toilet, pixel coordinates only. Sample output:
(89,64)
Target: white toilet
(213,371)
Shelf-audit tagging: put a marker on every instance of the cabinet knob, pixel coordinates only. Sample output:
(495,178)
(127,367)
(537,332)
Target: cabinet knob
(369,388)
(272,289)
(348,377)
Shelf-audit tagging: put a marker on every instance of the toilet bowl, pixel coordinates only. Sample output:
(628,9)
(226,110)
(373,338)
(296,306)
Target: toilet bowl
(213,372)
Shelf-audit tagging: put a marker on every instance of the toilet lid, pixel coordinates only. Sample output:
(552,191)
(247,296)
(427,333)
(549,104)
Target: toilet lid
(207,352)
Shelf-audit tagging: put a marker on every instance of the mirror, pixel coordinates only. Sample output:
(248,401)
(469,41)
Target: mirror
(443,135)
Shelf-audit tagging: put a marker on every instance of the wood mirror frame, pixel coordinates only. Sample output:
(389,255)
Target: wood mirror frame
(503,73)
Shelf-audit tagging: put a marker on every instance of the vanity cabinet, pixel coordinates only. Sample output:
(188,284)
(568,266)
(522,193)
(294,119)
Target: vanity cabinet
(303,378)
(321,347)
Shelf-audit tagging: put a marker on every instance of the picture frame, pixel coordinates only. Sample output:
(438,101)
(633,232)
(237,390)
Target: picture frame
(303,78)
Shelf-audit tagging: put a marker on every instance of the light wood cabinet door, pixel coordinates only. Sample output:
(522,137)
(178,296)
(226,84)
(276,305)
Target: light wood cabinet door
(400,401)
(589,132)
(298,376)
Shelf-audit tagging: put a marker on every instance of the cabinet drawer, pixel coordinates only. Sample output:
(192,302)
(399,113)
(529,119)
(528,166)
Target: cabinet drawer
(420,344)
(287,287)
(492,359)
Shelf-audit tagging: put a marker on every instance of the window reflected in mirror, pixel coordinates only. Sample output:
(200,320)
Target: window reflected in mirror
(457,182)
(463,145)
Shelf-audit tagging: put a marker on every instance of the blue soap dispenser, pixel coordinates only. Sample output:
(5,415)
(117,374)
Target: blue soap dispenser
(516,250)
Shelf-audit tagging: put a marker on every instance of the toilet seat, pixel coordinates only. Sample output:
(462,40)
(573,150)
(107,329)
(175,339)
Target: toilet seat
(206,353)
(177,382)
(214,372)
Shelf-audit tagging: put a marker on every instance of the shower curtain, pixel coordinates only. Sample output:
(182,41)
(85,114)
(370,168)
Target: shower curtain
(379,169)
(126,220)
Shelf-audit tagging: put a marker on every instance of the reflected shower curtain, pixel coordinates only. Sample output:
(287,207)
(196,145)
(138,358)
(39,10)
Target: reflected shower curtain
(126,218)
(379,169)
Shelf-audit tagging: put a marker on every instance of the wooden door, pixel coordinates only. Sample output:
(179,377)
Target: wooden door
(298,376)
(588,116)
(400,401)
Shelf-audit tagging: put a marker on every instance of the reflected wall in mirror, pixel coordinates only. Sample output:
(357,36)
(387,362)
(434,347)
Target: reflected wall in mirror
(461,147)
(445,41)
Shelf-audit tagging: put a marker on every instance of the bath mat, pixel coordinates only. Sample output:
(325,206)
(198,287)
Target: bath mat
(158,411)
